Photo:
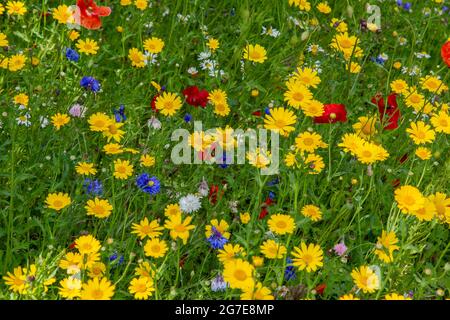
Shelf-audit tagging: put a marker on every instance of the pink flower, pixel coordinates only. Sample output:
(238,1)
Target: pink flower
(77,110)
(340,249)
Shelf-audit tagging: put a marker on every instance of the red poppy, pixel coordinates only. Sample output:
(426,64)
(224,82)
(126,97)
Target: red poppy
(90,13)
(332,113)
(320,288)
(153,103)
(72,245)
(196,97)
(445,53)
(263,213)
(391,110)
(257,113)
(213,193)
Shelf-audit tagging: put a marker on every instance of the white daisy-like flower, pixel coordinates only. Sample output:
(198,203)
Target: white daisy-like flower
(154,123)
(23,120)
(192,70)
(203,188)
(204,55)
(190,203)
(150,57)
(270,32)
(208,65)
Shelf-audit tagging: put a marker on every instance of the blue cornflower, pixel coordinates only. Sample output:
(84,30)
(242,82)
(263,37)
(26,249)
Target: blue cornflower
(407,6)
(216,239)
(93,187)
(90,83)
(273,182)
(289,272)
(187,118)
(399,3)
(444,9)
(218,284)
(120,114)
(113,256)
(72,55)
(225,161)
(148,184)
(272,195)
(267,110)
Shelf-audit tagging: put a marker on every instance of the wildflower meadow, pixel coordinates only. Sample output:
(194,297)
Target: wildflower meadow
(223,150)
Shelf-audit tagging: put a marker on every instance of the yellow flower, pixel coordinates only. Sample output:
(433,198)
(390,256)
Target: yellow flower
(16,62)
(365,127)
(281,224)
(3,40)
(442,204)
(119,29)
(59,120)
(369,153)
(423,153)
(420,132)
(172,210)
(399,86)
(427,212)
(309,142)
(414,99)
(141,4)
(303,5)
(351,142)
(145,269)
(229,252)
(221,227)
(141,288)
(239,274)
(213,44)
(297,95)
(346,44)
(179,228)
(154,45)
(87,46)
(409,199)
(349,296)
(365,279)
(323,7)
(395,296)
(70,288)
(307,257)
(314,162)
(313,212)
(99,122)
(87,245)
(217,96)
(85,168)
(280,120)
(122,169)
(272,250)
(137,58)
(307,77)
(63,14)
(397,65)
(313,108)
(74,35)
(71,262)
(58,201)
(222,109)
(96,270)
(4,62)
(255,53)
(259,158)
(339,25)
(147,160)
(257,261)
(354,67)
(258,292)
(433,84)
(16,7)
(245,217)
(113,131)
(441,122)
(125,2)
(112,148)
(168,103)
(147,229)
(2,9)
(99,208)
(386,245)
(17,281)
(22,99)
(96,289)
(155,248)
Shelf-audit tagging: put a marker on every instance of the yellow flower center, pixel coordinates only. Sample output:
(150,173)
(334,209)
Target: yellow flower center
(345,43)
(98,209)
(281,224)
(408,200)
(180,228)
(97,294)
(415,98)
(121,169)
(421,135)
(57,203)
(307,258)
(280,123)
(298,96)
(240,275)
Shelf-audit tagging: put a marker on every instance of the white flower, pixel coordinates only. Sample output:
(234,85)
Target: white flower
(154,123)
(204,55)
(203,188)
(208,65)
(23,120)
(189,203)
(192,70)
(270,32)
(43,121)
(150,57)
